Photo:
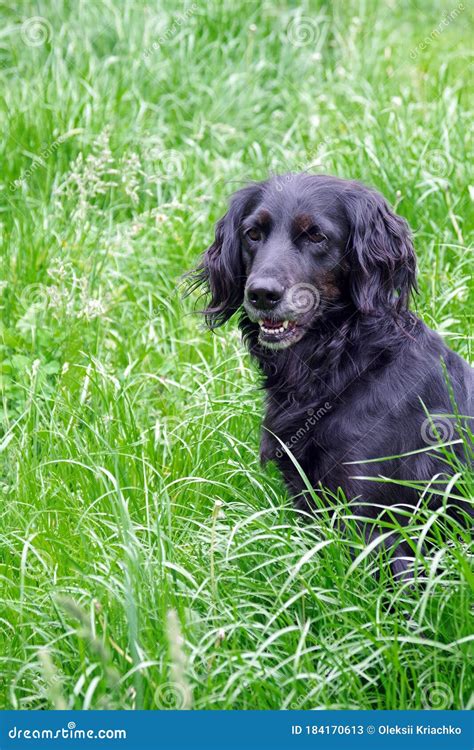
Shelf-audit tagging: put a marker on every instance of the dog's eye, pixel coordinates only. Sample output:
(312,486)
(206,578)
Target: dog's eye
(314,235)
(254,234)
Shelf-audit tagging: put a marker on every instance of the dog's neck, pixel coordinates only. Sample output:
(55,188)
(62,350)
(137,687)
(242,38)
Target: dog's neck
(336,351)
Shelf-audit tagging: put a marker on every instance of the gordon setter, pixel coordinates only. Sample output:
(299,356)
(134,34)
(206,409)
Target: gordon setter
(321,271)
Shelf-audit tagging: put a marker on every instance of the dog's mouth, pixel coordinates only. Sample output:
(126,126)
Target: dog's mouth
(279,333)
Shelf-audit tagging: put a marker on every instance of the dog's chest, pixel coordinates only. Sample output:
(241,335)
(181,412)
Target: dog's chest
(292,426)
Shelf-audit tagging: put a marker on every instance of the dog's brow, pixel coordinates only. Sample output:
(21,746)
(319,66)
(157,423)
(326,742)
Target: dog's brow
(303,222)
(263,217)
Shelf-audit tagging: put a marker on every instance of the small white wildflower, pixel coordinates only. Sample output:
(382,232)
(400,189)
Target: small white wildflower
(82,283)
(136,228)
(131,171)
(58,297)
(220,636)
(93,308)
(89,178)
(59,270)
(217,510)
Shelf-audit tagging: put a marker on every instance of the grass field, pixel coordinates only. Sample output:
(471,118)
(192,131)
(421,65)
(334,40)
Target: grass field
(146,559)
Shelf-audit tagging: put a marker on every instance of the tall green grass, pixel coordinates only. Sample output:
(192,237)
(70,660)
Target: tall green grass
(146,559)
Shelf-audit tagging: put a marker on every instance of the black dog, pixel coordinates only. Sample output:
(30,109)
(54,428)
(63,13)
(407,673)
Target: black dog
(322,271)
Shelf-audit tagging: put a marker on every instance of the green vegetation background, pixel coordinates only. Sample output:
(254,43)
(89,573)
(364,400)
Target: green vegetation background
(146,559)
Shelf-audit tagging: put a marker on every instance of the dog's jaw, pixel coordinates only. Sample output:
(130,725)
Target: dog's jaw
(278,332)
(282,338)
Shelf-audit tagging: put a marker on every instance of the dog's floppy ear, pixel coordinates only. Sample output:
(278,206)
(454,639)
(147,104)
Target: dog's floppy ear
(380,252)
(221,269)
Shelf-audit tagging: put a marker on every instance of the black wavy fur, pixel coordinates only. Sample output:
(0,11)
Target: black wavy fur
(359,383)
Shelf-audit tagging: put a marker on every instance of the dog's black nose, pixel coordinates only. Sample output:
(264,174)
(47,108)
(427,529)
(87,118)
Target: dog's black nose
(264,294)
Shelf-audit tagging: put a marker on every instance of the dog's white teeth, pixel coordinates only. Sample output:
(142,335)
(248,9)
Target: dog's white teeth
(285,324)
(272,331)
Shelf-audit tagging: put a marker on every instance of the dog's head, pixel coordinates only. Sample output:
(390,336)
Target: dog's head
(294,247)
